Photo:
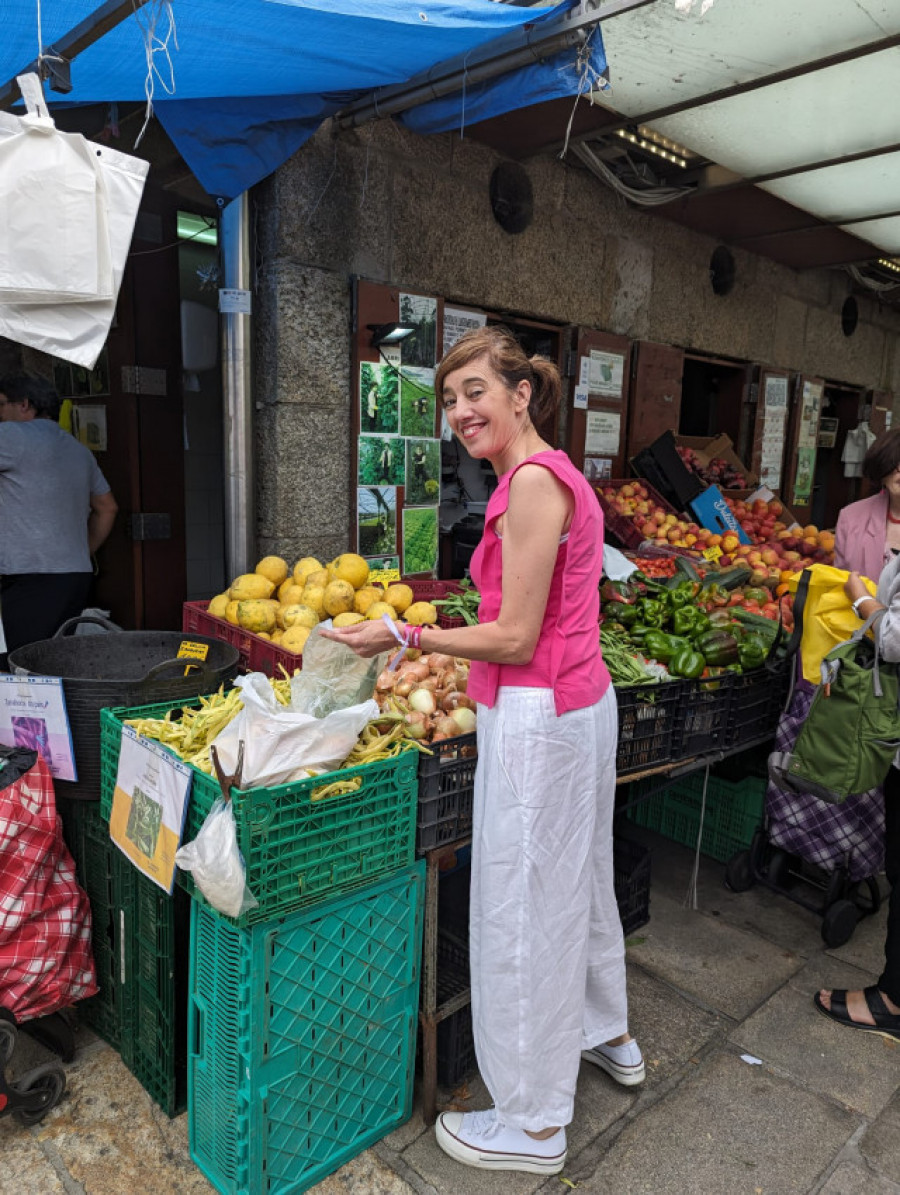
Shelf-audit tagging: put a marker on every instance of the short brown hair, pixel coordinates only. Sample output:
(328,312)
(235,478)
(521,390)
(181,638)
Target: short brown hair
(508,360)
(883,457)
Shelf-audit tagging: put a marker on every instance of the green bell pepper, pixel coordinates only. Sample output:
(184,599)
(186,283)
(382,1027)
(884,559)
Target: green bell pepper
(752,654)
(620,611)
(662,647)
(681,596)
(686,620)
(687,662)
(651,612)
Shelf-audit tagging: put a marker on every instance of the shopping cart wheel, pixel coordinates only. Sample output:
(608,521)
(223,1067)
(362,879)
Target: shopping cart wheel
(739,875)
(839,922)
(779,869)
(38,1091)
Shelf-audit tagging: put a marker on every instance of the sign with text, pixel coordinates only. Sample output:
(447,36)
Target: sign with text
(33,715)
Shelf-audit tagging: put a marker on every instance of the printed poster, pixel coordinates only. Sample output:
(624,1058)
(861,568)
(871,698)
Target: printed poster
(149,806)
(33,715)
(806,464)
(420,348)
(379,390)
(457,322)
(603,433)
(597,468)
(606,373)
(420,540)
(376,520)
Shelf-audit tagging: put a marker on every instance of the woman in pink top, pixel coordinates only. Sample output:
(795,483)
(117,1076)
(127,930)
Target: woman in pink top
(546,949)
(867,535)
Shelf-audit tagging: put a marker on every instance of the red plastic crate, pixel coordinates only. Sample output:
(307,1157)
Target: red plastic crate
(428,590)
(620,526)
(257,655)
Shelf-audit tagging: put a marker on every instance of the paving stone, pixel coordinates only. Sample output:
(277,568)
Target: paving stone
(881,1142)
(24,1168)
(852,1179)
(727,968)
(723,1132)
(860,1070)
(365,1175)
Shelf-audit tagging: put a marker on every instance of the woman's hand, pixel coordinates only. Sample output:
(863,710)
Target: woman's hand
(367,639)
(855,588)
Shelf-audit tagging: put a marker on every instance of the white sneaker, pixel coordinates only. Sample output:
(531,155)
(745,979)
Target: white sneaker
(624,1063)
(480,1139)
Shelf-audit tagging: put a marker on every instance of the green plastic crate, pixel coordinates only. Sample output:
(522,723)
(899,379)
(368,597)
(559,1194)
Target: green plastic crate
(296,850)
(140,938)
(734,811)
(302,1036)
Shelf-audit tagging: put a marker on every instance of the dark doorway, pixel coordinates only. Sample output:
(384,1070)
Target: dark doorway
(711,398)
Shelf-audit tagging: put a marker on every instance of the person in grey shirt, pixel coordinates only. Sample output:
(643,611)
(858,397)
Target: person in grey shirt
(56,509)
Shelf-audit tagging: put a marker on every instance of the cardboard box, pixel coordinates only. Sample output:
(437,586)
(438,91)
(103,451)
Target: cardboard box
(720,447)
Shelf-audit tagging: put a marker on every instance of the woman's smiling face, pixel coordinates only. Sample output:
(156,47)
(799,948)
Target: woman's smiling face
(483,412)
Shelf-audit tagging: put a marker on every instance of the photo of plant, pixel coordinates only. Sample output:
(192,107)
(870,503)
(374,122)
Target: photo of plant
(382,461)
(379,392)
(420,540)
(376,514)
(423,471)
(144,821)
(421,347)
(379,563)
(416,401)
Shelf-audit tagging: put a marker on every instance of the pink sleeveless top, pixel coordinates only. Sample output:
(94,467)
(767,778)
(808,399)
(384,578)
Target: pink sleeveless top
(567,656)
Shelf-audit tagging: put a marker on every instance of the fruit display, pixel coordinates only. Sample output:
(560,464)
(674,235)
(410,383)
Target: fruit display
(717,471)
(653,521)
(282,604)
(764,523)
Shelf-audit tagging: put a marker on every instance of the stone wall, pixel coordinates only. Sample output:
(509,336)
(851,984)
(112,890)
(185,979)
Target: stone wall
(387,205)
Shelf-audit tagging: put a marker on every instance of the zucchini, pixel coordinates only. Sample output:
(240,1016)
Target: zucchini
(685,566)
(732,578)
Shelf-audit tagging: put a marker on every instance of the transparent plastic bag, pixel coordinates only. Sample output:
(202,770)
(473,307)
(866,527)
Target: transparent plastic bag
(215,861)
(333,676)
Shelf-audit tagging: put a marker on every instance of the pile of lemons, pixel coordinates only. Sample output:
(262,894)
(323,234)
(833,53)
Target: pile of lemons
(283,604)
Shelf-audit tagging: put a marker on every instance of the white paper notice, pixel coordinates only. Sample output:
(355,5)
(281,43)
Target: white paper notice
(457,322)
(776,393)
(233,301)
(580,401)
(33,715)
(607,371)
(603,433)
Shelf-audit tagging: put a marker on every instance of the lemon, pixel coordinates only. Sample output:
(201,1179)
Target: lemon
(274,568)
(256,616)
(218,605)
(378,608)
(318,577)
(286,591)
(348,620)
(338,598)
(249,586)
(298,616)
(294,639)
(305,566)
(350,567)
(314,597)
(421,614)
(363,598)
(400,596)
(231,613)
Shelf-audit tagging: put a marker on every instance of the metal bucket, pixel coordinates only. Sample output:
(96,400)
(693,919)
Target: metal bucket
(118,668)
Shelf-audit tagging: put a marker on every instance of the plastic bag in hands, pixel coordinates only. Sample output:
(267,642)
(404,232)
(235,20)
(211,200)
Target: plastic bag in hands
(282,743)
(334,676)
(216,864)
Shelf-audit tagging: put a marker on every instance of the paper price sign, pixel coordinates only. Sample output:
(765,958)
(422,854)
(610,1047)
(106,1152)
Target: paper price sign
(387,576)
(149,807)
(193,651)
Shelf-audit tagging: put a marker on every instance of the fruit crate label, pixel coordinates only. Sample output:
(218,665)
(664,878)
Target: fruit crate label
(193,651)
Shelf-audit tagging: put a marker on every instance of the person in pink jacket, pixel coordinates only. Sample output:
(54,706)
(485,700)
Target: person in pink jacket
(867,535)
(546,948)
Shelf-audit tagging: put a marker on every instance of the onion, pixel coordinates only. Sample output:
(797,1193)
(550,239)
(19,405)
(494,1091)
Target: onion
(404,686)
(414,672)
(415,725)
(446,727)
(457,701)
(385,682)
(438,660)
(422,700)
(464,719)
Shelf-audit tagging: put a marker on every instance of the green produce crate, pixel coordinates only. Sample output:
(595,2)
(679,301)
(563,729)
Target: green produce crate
(302,1035)
(734,810)
(297,850)
(139,939)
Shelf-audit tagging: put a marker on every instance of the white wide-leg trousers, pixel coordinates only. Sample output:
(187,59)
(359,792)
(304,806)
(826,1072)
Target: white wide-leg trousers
(546,947)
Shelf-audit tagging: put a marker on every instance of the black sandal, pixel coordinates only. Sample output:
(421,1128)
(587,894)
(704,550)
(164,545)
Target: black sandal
(887,1023)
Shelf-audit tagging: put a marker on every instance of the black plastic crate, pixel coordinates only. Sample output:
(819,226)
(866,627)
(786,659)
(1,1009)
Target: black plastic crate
(455,1040)
(757,701)
(446,790)
(705,720)
(649,725)
(661,465)
(631,868)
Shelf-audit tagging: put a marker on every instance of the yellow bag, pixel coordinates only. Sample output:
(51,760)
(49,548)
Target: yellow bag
(828,617)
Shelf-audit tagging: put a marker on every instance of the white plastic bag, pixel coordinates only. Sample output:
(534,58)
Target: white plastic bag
(282,743)
(215,862)
(334,677)
(73,330)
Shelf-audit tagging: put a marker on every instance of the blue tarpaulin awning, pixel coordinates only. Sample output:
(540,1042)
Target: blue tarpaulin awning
(239,85)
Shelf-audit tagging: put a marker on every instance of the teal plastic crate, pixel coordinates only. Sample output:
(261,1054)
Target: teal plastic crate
(302,1036)
(734,810)
(297,850)
(140,939)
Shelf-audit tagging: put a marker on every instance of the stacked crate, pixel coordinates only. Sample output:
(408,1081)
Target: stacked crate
(301,1013)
